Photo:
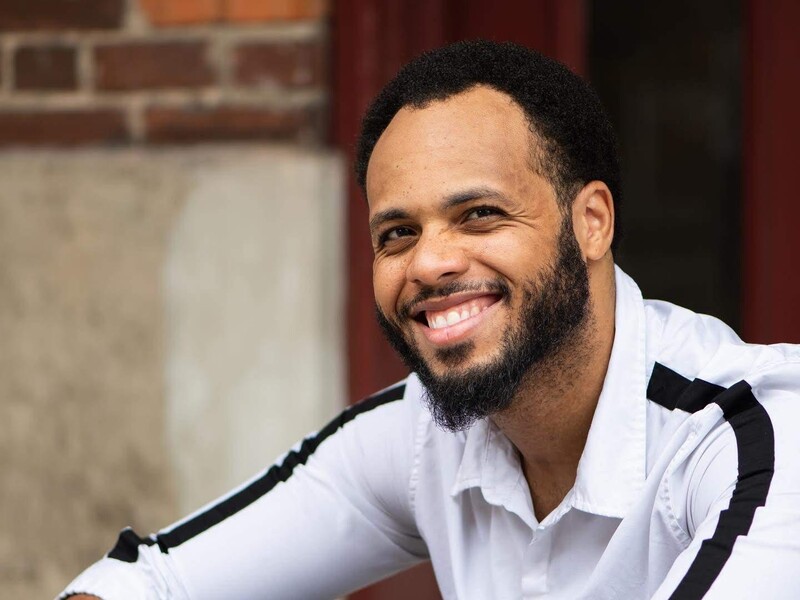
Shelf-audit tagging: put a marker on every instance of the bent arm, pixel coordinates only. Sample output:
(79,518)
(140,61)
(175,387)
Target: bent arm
(761,564)
(332,516)
(744,497)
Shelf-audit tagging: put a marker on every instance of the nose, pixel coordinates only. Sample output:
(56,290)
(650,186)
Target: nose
(436,259)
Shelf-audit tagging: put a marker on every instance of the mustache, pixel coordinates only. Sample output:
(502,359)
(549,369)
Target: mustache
(495,286)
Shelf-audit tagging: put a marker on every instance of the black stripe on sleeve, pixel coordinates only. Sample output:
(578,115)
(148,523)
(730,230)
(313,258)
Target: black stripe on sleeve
(127,545)
(672,390)
(755,443)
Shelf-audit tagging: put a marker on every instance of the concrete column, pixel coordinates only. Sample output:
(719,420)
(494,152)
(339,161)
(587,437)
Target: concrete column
(254,286)
(170,321)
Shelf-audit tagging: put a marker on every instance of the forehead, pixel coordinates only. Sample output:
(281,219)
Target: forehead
(480,137)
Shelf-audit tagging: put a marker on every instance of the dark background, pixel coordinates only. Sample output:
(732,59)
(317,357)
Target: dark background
(670,76)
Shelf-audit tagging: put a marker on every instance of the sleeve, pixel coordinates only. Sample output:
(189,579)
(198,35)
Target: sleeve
(334,514)
(742,509)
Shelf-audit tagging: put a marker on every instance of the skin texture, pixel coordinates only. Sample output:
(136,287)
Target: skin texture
(555,309)
(455,196)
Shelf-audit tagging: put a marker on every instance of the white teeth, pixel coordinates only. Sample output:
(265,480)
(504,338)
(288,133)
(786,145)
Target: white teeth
(454,316)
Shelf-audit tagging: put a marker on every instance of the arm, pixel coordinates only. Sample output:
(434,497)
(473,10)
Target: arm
(331,516)
(742,509)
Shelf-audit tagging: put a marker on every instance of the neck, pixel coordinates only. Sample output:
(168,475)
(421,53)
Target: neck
(549,420)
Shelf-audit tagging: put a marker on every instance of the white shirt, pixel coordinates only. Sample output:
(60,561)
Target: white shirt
(688,487)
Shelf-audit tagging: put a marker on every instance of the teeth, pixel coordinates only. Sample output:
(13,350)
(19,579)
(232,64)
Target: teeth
(454,316)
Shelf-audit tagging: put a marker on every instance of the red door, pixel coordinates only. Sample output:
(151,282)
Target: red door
(771,278)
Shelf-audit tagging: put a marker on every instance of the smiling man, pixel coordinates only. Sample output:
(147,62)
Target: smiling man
(559,436)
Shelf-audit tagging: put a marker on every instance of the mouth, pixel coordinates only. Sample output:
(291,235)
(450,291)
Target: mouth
(451,319)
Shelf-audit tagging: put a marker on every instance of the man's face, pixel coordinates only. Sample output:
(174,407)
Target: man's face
(477,277)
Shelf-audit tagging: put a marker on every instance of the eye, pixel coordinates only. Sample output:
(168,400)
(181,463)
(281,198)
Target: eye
(482,212)
(394,234)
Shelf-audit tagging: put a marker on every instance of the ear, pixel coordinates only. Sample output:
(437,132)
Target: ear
(593,220)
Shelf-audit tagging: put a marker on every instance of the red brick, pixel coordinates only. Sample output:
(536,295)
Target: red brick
(292,64)
(21,15)
(62,128)
(231,123)
(181,12)
(270,10)
(143,65)
(45,68)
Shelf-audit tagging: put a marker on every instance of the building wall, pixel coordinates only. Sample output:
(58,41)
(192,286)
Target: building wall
(162,71)
(170,263)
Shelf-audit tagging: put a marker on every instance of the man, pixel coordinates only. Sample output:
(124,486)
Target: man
(559,437)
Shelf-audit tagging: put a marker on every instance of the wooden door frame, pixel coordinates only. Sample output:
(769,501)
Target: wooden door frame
(770,282)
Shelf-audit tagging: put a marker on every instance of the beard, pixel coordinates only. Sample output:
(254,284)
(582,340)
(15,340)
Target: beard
(555,310)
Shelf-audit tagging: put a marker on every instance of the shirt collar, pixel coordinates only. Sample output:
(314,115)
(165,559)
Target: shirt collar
(491,463)
(611,470)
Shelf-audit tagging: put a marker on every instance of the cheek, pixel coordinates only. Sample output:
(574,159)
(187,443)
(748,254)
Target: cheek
(514,257)
(387,283)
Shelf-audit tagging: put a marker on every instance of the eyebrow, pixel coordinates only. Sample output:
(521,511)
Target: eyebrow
(450,201)
(386,215)
(470,194)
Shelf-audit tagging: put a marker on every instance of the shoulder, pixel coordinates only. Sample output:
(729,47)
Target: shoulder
(700,367)
(741,447)
(683,339)
(736,406)
(701,348)
(386,419)
(394,400)
(399,406)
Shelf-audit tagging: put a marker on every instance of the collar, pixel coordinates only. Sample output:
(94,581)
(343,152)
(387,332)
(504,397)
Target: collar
(491,463)
(612,467)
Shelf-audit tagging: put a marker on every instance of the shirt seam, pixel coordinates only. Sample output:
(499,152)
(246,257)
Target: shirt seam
(680,533)
(413,480)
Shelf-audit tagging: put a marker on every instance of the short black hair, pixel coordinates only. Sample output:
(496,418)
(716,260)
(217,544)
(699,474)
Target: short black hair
(565,114)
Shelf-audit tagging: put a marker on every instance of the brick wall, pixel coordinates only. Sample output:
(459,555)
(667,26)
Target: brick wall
(162,71)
